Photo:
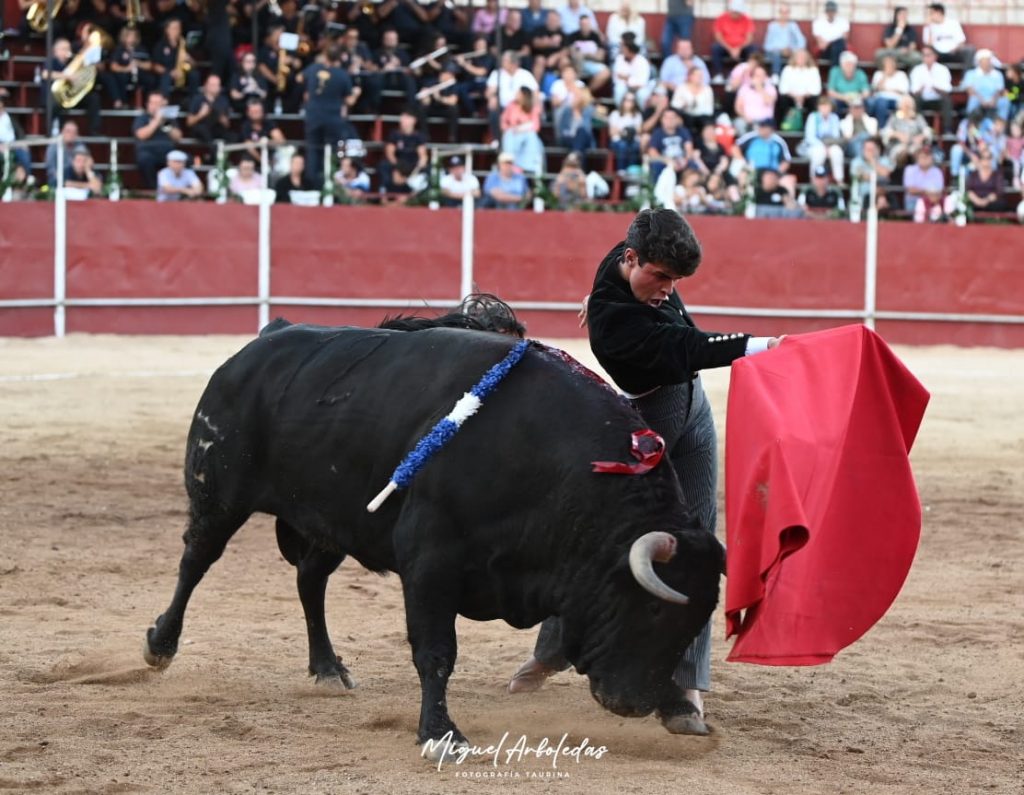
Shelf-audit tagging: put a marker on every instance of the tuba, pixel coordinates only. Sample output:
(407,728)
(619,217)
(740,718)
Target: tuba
(69,91)
(36,15)
(182,65)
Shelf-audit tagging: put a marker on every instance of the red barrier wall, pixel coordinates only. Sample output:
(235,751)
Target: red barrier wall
(140,250)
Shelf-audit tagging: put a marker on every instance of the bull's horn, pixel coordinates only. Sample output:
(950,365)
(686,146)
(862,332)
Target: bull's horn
(650,547)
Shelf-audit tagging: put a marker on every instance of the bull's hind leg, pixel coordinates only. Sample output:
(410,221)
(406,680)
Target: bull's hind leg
(205,540)
(314,567)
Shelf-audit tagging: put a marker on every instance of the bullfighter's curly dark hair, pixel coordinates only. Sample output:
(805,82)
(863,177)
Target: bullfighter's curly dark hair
(664,237)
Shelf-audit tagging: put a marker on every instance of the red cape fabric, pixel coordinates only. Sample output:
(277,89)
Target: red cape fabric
(822,514)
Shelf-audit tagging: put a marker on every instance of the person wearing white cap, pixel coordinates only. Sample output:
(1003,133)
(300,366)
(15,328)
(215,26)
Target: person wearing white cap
(985,87)
(176,181)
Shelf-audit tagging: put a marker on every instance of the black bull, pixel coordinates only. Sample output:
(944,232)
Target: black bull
(508,521)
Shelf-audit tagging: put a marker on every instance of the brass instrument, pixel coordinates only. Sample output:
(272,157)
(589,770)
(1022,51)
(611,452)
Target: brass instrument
(69,91)
(283,70)
(36,15)
(182,66)
(133,9)
(305,46)
(367,7)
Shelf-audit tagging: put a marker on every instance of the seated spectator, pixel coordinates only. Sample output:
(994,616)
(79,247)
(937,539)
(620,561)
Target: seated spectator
(256,127)
(503,86)
(763,150)
(352,178)
(405,154)
(296,179)
(696,101)
(574,122)
(456,183)
(823,139)
(872,161)
(408,18)
(247,178)
(442,99)
(676,67)
(570,186)
(931,85)
(888,86)
(564,87)
(847,81)
(534,16)
(69,141)
(209,113)
(631,72)
(755,100)
(626,20)
(738,78)
(671,145)
(733,32)
(799,88)
(821,198)
(513,37)
(773,200)
(1014,88)
(678,25)
(905,133)
(248,84)
(588,52)
(985,188)
(857,127)
(520,124)
(690,195)
(129,68)
(474,67)
(713,160)
(986,88)
(899,40)
(624,134)
(970,136)
(79,173)
(782,39)
(1014,151)
(997,140)
(923,187)
(946,36)
(176,182)
(572,14)
(505,188)
(488,18)
(547,47)
(830,31)
(22,184)
(155,137)
(10,131)
(392,71)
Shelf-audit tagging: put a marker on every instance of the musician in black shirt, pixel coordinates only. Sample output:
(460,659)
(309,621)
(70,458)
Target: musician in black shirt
(129,68)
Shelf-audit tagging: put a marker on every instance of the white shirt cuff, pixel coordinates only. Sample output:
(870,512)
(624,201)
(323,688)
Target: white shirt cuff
(756,345)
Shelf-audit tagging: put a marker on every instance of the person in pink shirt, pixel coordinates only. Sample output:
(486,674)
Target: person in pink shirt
(486,19)
(520,123)
(756,99)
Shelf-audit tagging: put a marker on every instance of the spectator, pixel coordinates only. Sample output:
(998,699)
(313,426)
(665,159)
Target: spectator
(356,58)
(256,127)
(847,81)
(755,100)
(535,17)
(696,101)
(129,68)
(513,37)
(671,145)
(54,69)
(677,66)
(588,52)
(985,188)
(442,99)
(782,39)
(626,20)
(571,14)
(739,77)
(296,179)
(830,31)
(176,181)
(574,122)
(165,61)
(690,195)
(632,72)
(69,140)
(856,128)
(10,131)
(475,66)
(799,88)
(986,88)
(713,160)
(505,188)
(970,136)
(352,178)
(79,173)
(624,125)
(946,36)
(932,84)
(871,160)
(405,154)
(570,186)
(503,86)
(821,198)
(329,91)
(391,63)
(407,17)
(488,18)
(209,113)
(823,139)
(1014,87)
(923,186)
(245,179)
(773,200)
(905,133)
(457,183)
(548,47)
(247,84)
(155,136)
(452,21)
(678,24)
(899,39)
(766,149)
(520,124)
(22,183)
(1014,152)
(564,87)
(734,36)
(888,86)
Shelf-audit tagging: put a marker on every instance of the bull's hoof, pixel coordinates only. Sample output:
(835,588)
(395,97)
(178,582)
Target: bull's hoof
(686,723)
(340,682)
(442,750)
(158,661)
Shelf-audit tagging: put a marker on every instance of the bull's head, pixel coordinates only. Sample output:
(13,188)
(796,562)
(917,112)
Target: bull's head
(651,606)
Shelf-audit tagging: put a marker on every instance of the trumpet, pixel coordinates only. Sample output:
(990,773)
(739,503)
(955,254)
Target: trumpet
(69,91)
(182,66)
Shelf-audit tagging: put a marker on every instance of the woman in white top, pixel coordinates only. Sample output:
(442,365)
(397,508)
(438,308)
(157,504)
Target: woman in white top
(695,100)
(626,19)
(888,85)
(624,125)
(799,86)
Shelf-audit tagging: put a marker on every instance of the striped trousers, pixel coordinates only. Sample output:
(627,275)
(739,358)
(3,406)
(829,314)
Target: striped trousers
(684,420)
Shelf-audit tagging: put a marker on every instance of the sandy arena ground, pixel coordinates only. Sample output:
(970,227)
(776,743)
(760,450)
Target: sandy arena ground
(91,513)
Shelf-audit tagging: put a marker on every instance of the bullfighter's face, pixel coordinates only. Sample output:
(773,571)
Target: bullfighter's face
(651,283)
